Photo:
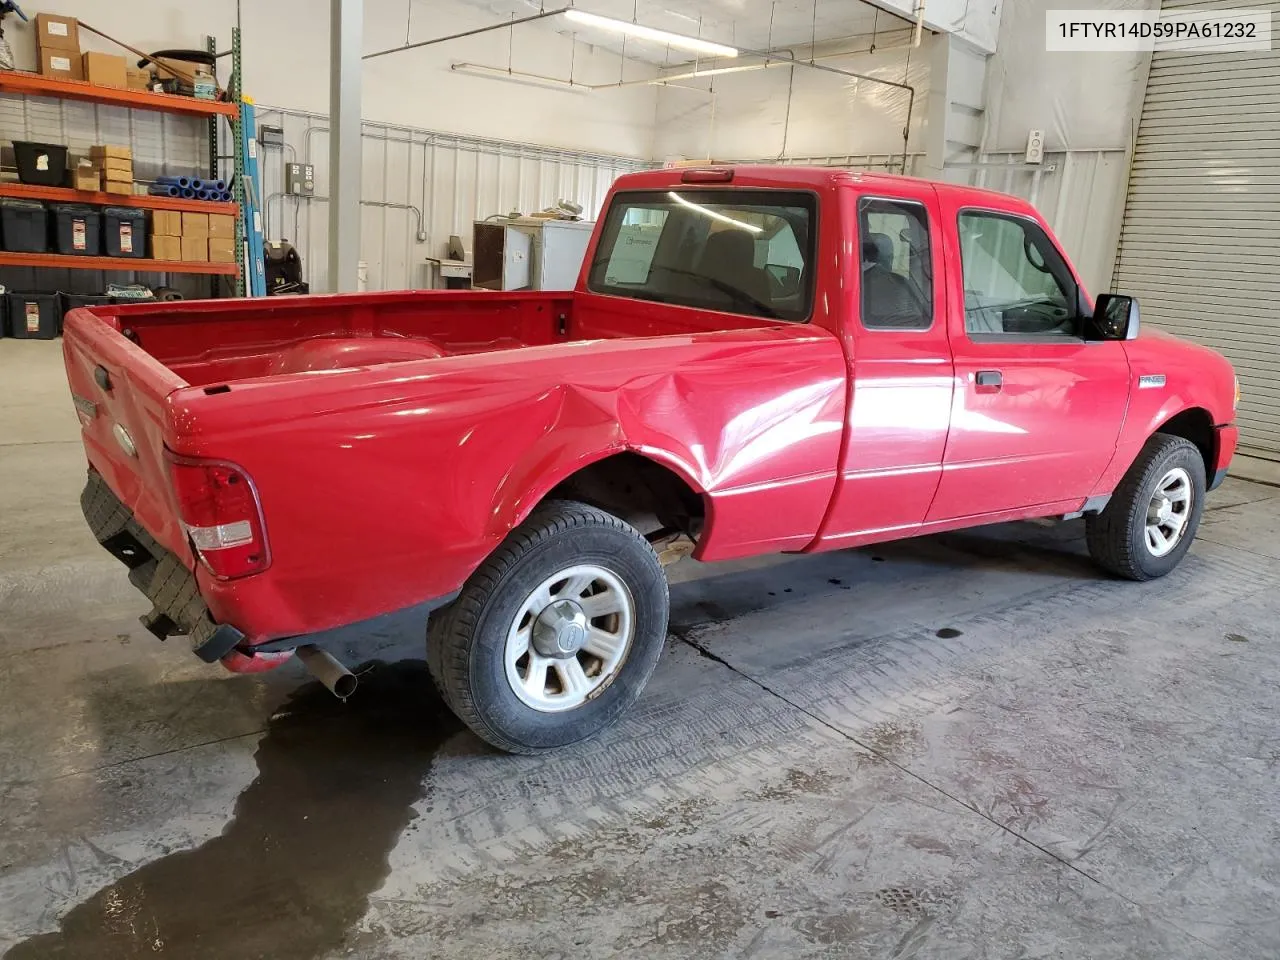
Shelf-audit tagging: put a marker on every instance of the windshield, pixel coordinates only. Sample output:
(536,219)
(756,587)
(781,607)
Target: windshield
(736,251)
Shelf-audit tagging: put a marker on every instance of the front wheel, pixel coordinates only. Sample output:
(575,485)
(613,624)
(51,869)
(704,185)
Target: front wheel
(556,634)
(1148,526)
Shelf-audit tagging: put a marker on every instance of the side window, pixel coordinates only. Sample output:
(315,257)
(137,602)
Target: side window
(1015,280)
(897,265)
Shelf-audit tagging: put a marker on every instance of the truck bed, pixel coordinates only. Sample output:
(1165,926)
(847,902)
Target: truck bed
(211,342)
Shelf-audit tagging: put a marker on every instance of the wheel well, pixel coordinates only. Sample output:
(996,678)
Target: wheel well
(1196,426)
(644,493)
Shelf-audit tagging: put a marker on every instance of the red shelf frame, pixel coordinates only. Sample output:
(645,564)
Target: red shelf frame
(26,191)
(119,264)
(35,85)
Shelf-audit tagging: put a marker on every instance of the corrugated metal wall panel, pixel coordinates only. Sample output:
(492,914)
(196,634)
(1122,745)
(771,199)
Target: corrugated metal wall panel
(418,179)
(1075,191)
(1202,221)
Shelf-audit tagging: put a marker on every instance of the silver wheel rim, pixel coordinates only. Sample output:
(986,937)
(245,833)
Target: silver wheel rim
(1169,512)
(569,638)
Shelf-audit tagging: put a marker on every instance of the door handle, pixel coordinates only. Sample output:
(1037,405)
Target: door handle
(989,381)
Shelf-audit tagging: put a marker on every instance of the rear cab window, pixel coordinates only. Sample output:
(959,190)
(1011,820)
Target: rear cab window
(748,252)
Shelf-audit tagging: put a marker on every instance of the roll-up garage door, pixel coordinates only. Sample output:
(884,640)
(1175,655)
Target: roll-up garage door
(1200,245)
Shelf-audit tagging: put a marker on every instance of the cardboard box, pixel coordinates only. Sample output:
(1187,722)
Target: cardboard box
(195,249)
(195,225)
(87,177)
(56,32)
(222,227)
(222,250)
(110,151)
(120,169)
(61,65)
(105,69)
(166,223)
(122,187)
(116,176)
(136,79)
(166,248)
(181,70)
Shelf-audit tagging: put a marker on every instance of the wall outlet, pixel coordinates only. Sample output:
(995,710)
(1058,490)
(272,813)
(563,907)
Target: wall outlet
(1035,147)
(300,179)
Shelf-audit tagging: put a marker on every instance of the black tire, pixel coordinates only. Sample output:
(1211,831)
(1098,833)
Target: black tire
(466,641)
(1117,536)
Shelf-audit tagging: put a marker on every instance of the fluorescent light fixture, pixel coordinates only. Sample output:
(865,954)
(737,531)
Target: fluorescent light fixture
(517,76)
(678,40)
(749,227)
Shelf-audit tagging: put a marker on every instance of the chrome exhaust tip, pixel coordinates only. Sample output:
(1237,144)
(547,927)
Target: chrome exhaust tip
(340,681)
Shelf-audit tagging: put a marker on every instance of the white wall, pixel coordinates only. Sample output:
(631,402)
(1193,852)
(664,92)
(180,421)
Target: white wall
(977,21)
(1080,100)
(769,114)
(439,182)
(286,62)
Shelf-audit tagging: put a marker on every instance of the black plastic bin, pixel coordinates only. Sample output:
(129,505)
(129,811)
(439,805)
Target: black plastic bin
(124,232)
(43,164)
(73,301)
(34,316)
(77,230)
(24,226)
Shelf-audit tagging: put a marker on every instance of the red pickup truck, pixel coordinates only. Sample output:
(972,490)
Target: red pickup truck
(755,360)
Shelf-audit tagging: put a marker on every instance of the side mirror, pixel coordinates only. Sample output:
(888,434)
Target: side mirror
(1116,317)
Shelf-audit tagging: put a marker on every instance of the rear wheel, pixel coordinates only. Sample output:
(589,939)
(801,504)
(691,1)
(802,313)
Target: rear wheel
(556,634)
(1148,526)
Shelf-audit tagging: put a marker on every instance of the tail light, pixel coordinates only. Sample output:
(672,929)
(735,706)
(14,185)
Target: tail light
(220,511)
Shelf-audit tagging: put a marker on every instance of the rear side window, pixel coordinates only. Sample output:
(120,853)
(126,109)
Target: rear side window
(748,252)
(897,265)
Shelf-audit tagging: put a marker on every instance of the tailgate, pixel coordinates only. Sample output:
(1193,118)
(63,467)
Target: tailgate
(120,395)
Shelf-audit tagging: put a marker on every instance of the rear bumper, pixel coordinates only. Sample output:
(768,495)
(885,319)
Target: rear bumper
(177,607)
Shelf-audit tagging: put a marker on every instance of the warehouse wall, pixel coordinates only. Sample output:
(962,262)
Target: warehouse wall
(786,112)
(977,23)
(1087,104)
(415,180)
(286,46)
(1080,100)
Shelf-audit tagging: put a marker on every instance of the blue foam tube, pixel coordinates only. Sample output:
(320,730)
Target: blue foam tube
(197,185)
(226,196)
(188,194)
(182,183)
(218,186)
(164,190)
(205,195)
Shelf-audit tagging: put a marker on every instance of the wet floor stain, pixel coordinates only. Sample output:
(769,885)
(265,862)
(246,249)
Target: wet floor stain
(1237,638)
(292,872)
(949,633)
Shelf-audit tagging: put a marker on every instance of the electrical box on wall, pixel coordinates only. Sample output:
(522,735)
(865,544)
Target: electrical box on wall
(271,136)
(1035,147)
(300,179)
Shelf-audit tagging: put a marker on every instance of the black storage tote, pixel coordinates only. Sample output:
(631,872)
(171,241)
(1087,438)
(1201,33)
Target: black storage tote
(77,230)
(73,301)
(124,232)
(42,164)
(34,316)
(24,226)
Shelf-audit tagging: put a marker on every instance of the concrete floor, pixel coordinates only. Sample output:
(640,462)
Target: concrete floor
(966,746)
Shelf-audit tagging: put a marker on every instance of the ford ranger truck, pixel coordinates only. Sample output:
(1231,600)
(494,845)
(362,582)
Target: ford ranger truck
(755,360)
